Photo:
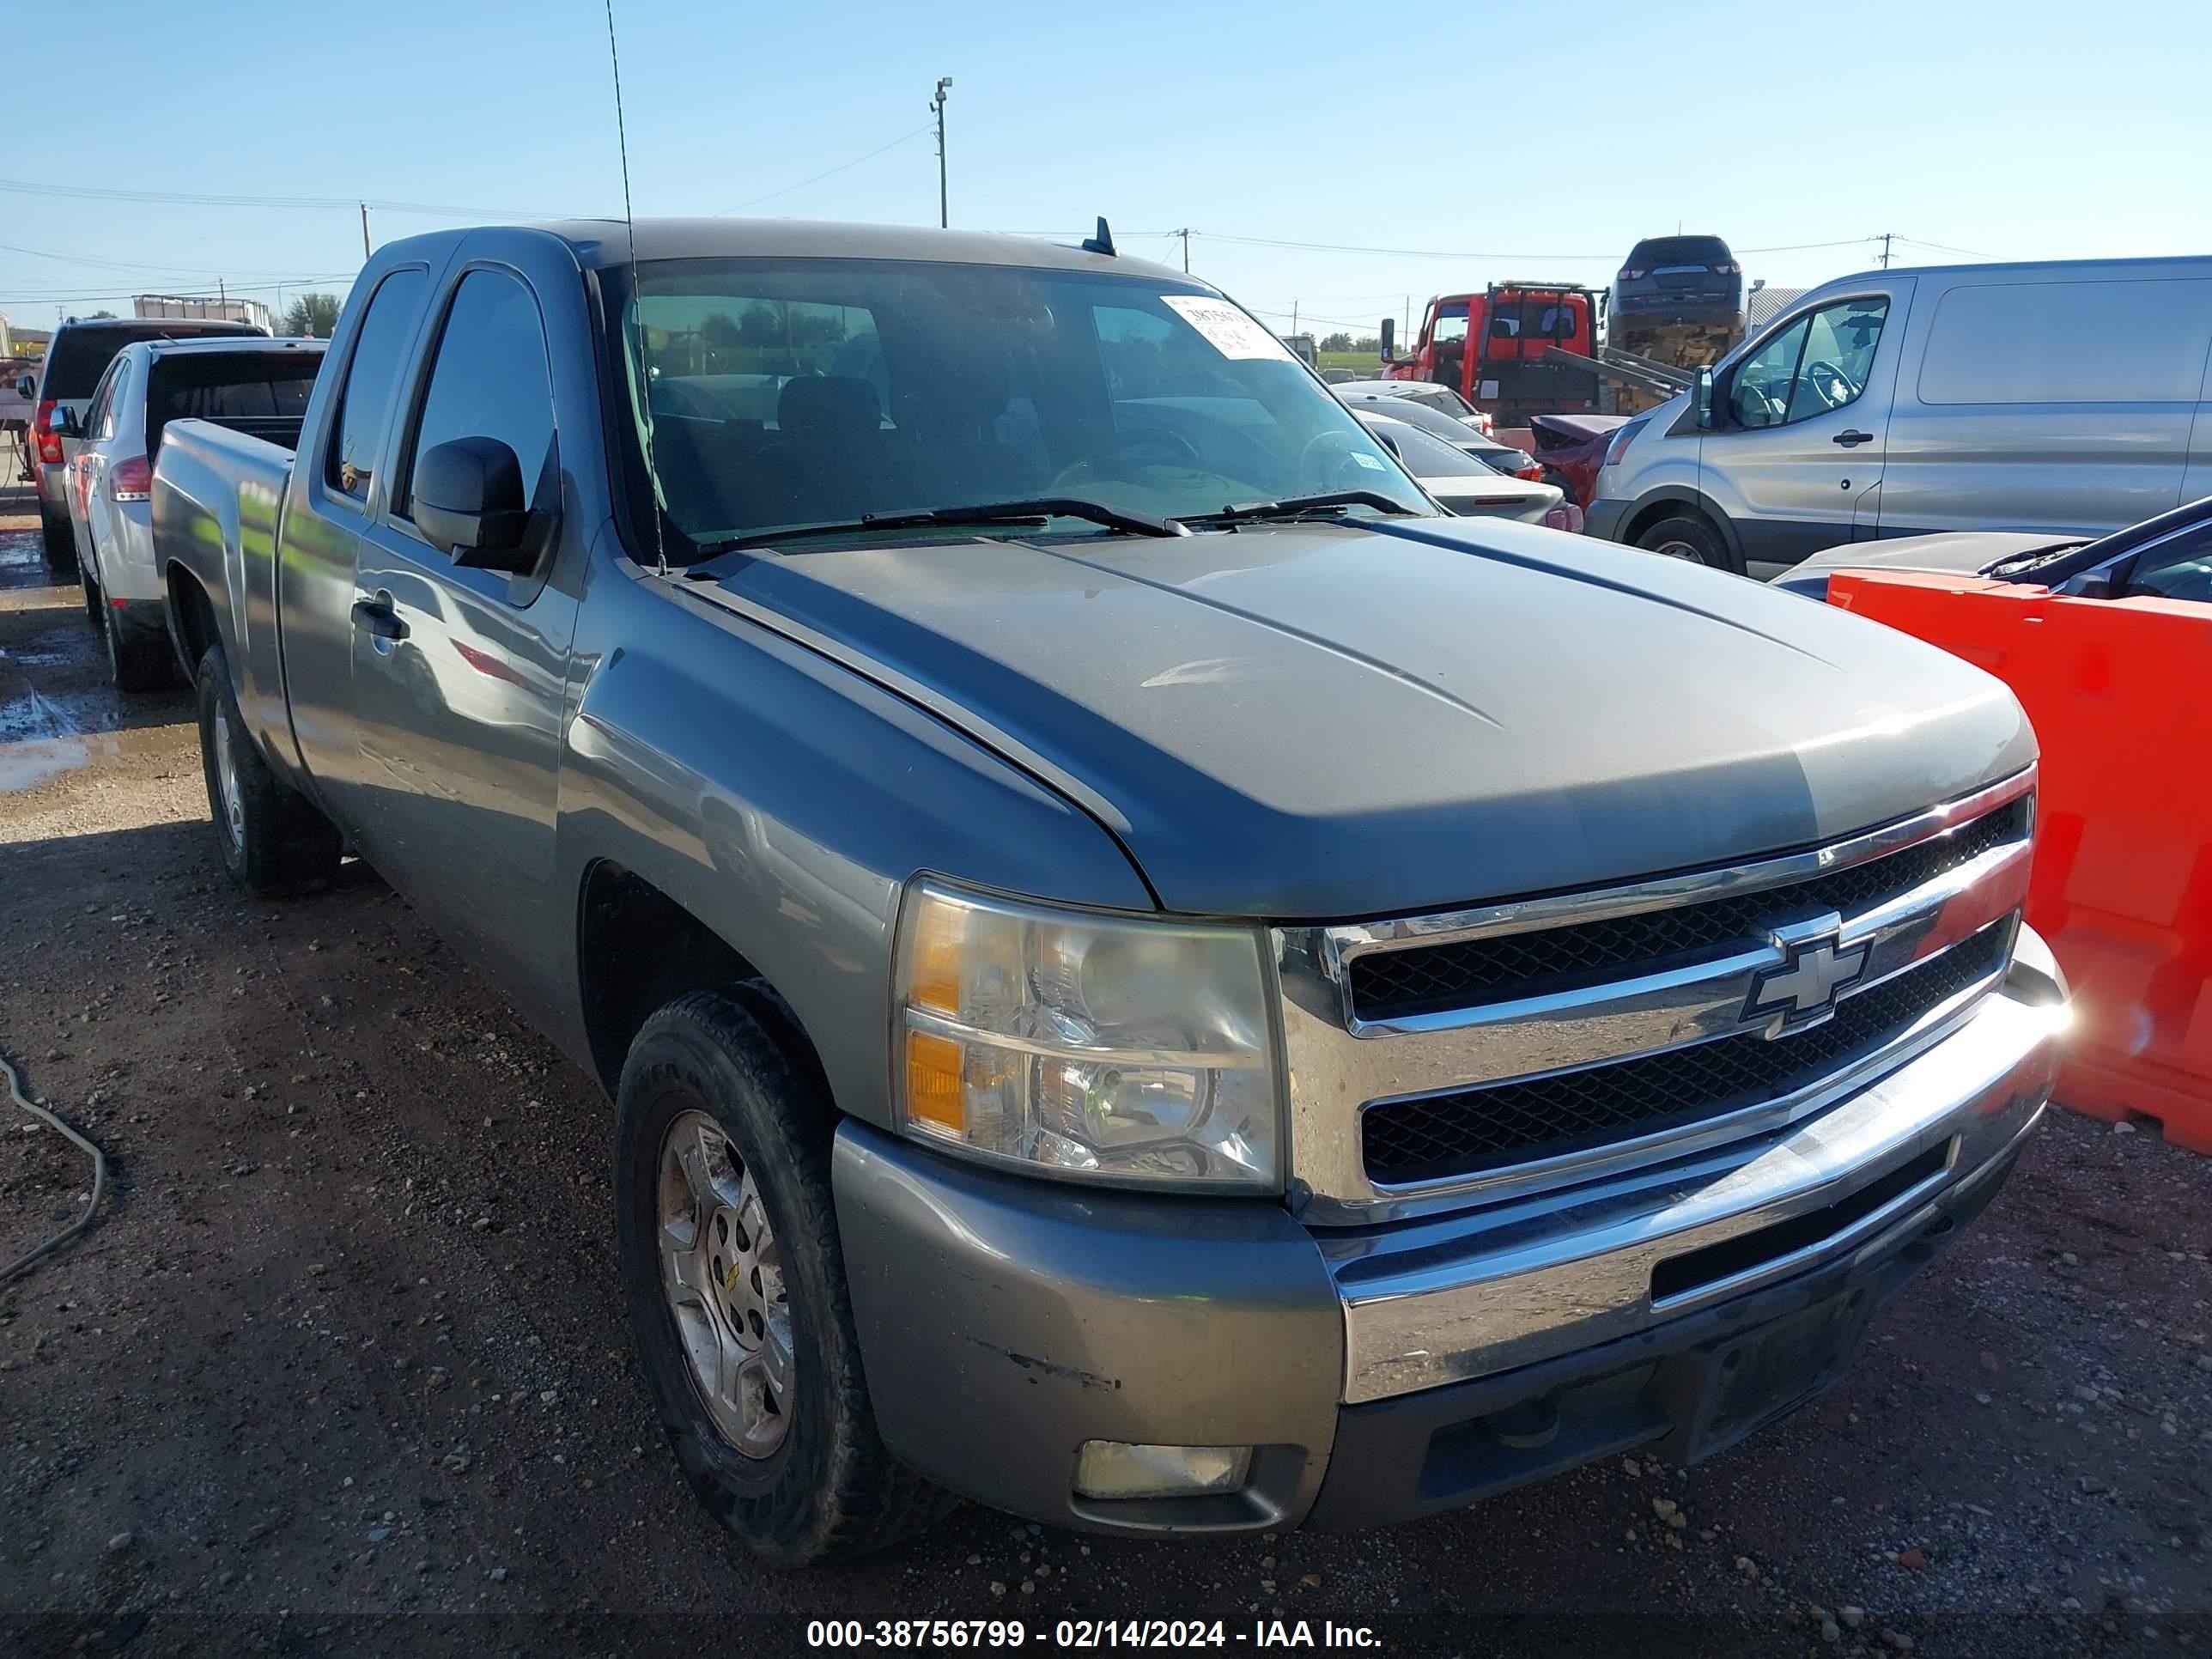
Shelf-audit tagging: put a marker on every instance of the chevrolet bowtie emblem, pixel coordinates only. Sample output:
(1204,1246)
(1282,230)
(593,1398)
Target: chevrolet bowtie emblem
(1803,990)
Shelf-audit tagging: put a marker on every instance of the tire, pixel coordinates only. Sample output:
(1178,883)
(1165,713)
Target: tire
(94,609)
(273,839)
(138,662)
(1690,536)
(821,1484)
(60,542)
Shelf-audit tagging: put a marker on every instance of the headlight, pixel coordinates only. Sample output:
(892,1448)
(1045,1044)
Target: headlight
(1133,1052)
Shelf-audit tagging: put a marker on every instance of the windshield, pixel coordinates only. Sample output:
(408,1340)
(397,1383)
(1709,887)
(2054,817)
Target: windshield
(1426,456)
(794,393)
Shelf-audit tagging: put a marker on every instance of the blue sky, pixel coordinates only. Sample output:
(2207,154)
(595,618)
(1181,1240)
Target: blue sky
(2019,130)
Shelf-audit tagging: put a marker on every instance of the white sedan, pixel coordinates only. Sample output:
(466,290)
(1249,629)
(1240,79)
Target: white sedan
(1467,487)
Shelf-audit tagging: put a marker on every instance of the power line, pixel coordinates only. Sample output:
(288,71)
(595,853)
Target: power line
(132,265)
(828,172)
(210,198)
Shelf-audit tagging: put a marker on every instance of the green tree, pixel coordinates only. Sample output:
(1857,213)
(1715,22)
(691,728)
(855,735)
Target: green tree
(1334,343)
(313,314)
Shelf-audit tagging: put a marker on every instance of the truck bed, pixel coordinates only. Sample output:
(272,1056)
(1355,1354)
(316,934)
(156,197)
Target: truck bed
(218,505)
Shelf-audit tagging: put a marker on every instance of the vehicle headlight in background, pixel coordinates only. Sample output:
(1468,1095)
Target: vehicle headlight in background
(1130,1051)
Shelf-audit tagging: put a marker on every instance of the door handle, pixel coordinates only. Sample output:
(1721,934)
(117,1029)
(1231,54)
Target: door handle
(378,617)
(1850,439)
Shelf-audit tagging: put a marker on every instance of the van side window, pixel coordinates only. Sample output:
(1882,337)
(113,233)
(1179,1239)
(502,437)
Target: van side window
(366,399)
(490,379)
(1819,363)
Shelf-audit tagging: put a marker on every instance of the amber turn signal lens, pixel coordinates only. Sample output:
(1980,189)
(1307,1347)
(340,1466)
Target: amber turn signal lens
(933,1091)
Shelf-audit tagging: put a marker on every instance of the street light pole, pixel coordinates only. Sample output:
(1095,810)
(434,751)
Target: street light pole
(944,82)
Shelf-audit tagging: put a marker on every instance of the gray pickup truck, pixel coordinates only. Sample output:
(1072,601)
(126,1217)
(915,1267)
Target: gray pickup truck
(1148,976)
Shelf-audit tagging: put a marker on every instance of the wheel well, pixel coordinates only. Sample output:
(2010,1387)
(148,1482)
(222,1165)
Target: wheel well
(639,948)
(1668,509)
(192,618)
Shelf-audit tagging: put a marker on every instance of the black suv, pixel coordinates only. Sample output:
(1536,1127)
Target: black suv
(78,356)
(1688,276)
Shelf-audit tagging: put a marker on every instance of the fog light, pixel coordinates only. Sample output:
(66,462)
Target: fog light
(1113,1469)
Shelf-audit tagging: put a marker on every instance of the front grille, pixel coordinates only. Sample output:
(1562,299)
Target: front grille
(1466,1133)
(1431,978)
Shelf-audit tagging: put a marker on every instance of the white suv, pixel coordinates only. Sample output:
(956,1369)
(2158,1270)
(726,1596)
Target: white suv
(248,383)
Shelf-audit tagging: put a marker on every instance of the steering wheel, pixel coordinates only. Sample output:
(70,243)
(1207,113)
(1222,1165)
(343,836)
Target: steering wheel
(1140,447)
(1834,387)
(1327,461)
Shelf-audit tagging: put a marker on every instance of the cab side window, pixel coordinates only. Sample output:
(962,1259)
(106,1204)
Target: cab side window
(371,376)
(1820,362)
(2179,568)
(490,379)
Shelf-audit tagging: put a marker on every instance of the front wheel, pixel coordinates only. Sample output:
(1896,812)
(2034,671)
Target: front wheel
(1693,537)
(273,839)
(735,1279)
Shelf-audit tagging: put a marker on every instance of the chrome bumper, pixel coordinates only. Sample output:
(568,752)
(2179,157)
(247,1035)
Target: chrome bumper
(1463,1296)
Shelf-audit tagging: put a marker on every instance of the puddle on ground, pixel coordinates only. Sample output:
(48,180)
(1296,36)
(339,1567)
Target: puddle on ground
(26,765)
(21,547)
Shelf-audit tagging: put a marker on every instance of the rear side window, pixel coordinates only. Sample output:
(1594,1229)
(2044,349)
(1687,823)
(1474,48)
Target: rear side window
(81,355)
(371,376)
(2068,342)
(491,379)
(99,419)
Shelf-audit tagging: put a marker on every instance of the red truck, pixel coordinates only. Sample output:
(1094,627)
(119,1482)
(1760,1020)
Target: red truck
(1490,348)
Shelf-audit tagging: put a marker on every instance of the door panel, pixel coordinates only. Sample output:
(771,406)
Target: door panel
(324,521)
(2062,405)
(1802,459)
(460,674)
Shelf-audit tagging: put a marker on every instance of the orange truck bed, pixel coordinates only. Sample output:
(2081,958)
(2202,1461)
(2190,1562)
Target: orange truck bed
(2120,693)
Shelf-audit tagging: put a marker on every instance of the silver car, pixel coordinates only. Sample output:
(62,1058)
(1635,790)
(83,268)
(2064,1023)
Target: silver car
(1469,487)
(2062,397)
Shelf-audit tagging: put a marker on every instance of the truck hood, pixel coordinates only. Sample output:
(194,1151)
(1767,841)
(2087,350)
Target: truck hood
(1316,721)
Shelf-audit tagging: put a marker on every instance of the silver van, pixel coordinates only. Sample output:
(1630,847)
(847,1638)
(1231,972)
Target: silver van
(2067,396)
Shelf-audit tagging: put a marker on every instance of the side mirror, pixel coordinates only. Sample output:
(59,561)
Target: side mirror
(468,497)
(62,422)
(1389,338)
(1708,418)
(26,388)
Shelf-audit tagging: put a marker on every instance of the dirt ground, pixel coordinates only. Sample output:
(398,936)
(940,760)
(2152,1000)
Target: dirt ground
(343,1368)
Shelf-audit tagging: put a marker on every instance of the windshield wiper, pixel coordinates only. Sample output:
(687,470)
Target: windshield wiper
(1293,506)
(2013,562)
(1037,511)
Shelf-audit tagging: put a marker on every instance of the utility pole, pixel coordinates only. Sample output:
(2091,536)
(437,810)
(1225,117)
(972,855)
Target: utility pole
(364,230)
(1885,249)
(222,294)
(1185,235)
(943,84)
(1294,316)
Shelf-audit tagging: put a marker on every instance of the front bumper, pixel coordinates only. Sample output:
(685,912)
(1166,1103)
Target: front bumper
(1387,1371)
(1604,519)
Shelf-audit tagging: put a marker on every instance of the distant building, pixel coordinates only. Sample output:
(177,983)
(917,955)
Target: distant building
(204,306)
(1763,303)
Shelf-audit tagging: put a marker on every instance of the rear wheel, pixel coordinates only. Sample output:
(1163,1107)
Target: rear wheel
(272,838)
(138,658)
(60,542)
(735,1278)
(1693,537)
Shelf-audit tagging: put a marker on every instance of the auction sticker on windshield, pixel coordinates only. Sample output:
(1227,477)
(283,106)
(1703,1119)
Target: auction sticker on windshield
(1227,329)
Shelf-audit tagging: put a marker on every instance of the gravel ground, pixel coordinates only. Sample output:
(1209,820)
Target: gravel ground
(343,1368)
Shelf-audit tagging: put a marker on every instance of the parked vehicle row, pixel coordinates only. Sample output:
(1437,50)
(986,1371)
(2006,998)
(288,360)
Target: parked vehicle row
(61,392)
(253,384)
(1129,993)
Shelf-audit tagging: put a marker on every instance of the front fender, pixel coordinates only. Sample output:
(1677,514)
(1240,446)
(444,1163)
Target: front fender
(784,800)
